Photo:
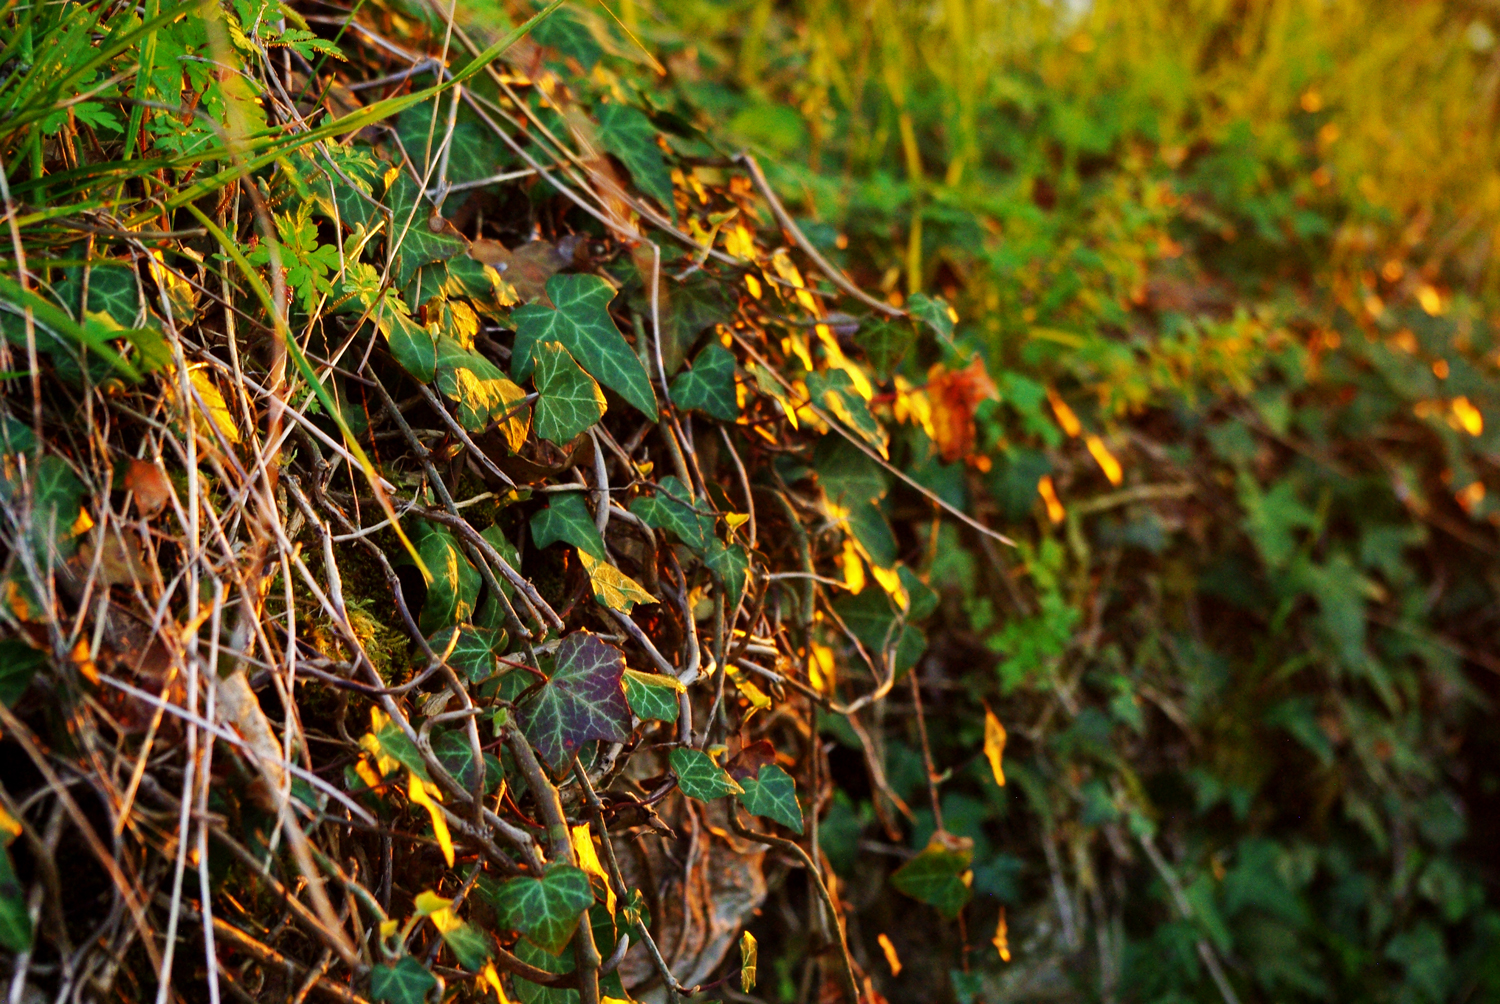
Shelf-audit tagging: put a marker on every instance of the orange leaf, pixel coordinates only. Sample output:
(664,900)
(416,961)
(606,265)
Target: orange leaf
(954,396)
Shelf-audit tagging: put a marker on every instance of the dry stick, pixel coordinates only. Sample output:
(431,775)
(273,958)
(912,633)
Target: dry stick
(739,469)
(463,435)
(601,486)
(932,779)
(847,969)
(270,957)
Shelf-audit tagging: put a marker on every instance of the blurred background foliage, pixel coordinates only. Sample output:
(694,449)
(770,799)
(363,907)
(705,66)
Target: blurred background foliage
(1225,369)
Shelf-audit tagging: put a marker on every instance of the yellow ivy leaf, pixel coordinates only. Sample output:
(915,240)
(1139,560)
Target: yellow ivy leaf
(1055,511)
(891,958)
(821,672)
(1001,940)
(217,414)
(588,860)
(854,568)
(9,823)
(994,745)
(492,979)
(1065,416)
(388,928)
(1106,460)
(1467,416)
(612,587)
(421,795)
(429,903)
(749,952)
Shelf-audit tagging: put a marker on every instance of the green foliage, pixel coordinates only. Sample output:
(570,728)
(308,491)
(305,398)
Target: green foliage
(699,777)
(936,876)
(773,794)
(407,982)
(652,696)
(570,400)
(545,909)
(15,923)
(454,588)
(627,133)
(709,385)
(581,324)
(567,520)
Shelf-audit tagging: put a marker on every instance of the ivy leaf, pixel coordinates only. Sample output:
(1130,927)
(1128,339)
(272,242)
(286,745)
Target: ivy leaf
(671,509)
(847,475)
(545,909)
(709,385)
(835,391)
(628,134)
(475,650)
(386,740)
(15,923)
(612,587)
(484,393)
(652,696)
(404,983)
(18,664)
(455,584)
(453,751)
(470,946)
(535,993)
(937,875)
(567,519)
(582,700)
(731,566)
(570,400)
(772,794)
(471,155)
(873,620)
(419,245)
(699,777)
(885,344)
(934,312)
(749,953)
(412,346)
(582,324)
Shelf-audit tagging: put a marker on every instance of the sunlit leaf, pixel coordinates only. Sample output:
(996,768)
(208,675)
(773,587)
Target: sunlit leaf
(427,795)
(652,695)
(570,400)
(612,587)
(749,954)
(699,777)
(934,312)
(484,393)
(994,745)
(455,583)
(418,245)
(545,909)
(583,699)
(581,322)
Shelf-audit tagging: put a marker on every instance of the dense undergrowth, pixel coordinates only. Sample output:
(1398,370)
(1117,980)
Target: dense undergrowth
(449,499)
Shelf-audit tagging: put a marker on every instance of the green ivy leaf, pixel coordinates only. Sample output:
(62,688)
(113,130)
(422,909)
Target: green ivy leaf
(567,519)
(18,664)
(475,650)
(709,385)
(834,391)
(934,312)
(628,134)
(452,749)
(873,620)
(15,436)
(15,923)
(56,501)
(699,777)
(671,509)
(412,346)
(885,344)
(471,154)
(847,475)
(772,794)
(582,324)
(936,876)
(484,393)
(470,946)
(114,288)
(583,699)
(419,245)
(652,696)
(455,584)
(545,909)
(731,566)
(570,400)
(407,982)
(535,993)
